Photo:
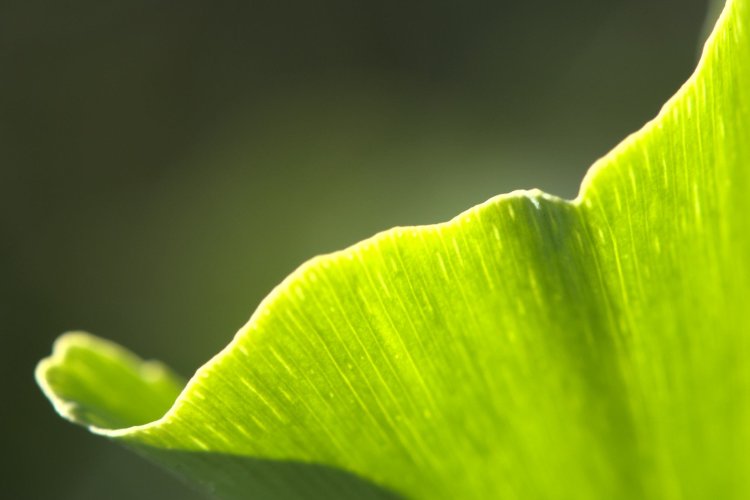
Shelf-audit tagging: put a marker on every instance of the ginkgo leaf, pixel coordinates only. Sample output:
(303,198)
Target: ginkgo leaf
(532,347)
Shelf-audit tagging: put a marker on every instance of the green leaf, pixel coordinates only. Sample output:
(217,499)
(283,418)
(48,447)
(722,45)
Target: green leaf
(532,347)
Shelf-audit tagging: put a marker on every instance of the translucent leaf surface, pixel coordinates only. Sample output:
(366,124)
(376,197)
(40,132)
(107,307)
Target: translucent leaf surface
(530,348)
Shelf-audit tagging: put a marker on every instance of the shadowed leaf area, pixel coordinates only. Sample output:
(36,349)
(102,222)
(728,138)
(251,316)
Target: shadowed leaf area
(532,347)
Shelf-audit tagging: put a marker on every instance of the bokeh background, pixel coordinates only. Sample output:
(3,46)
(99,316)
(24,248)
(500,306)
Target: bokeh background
(164,164)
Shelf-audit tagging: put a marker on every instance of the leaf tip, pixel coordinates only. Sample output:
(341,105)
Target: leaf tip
(98,384)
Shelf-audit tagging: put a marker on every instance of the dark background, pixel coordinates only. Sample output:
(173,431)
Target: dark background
(164,164)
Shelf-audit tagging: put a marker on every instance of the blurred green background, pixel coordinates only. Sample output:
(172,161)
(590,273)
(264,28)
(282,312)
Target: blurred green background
(163,165)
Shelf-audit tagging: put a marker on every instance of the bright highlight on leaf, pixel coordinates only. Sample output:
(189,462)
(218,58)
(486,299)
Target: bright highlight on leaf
(530,348)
